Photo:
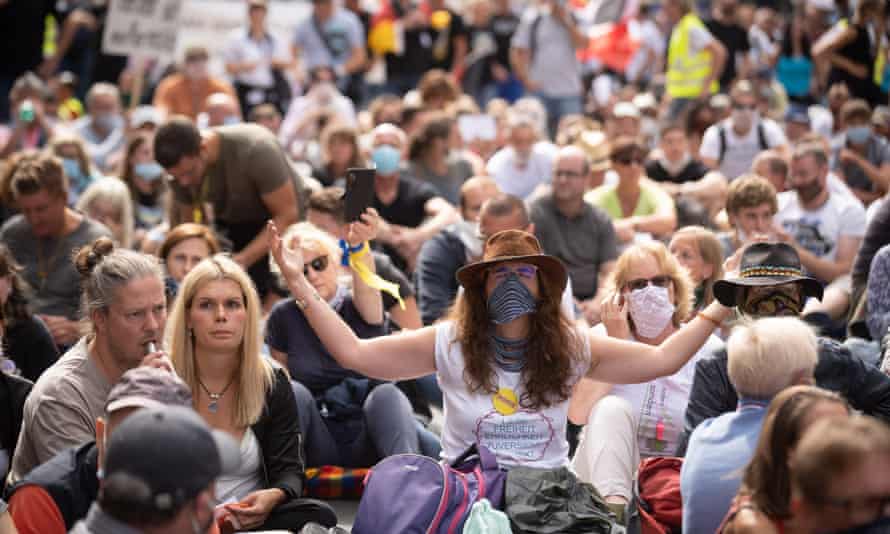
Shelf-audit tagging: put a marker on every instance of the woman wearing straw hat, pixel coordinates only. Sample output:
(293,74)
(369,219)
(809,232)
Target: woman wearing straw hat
(506,358)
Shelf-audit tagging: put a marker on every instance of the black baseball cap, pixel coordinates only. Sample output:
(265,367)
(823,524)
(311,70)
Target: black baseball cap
(160,458)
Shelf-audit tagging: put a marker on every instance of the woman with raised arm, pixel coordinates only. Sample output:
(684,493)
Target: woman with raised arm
(506,358)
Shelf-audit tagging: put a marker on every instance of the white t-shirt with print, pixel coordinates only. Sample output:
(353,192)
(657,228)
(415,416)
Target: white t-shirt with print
(818,231)
(521,181)
(518,437)
(659,405)
(739,151)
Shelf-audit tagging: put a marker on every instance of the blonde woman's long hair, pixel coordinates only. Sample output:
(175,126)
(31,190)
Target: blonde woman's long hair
(683,286)
(255,374)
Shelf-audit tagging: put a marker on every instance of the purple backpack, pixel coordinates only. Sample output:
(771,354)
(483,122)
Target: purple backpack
(410,493)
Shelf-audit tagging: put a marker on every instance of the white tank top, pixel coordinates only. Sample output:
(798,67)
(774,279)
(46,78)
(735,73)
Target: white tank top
(248,478)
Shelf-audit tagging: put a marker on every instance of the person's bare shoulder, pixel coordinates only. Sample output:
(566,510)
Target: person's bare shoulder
(750,521)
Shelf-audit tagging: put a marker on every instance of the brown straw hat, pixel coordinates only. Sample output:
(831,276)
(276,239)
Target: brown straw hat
(514,245)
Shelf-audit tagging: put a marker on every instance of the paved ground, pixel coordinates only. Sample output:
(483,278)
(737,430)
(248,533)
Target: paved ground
(345,512)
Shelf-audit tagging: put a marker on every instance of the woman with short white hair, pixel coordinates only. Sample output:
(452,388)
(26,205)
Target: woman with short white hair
(346,418)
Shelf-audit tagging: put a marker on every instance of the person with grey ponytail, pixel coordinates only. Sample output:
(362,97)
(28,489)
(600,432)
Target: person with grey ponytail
(124,311)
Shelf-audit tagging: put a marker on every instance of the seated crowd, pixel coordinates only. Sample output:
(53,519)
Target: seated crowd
(668,304)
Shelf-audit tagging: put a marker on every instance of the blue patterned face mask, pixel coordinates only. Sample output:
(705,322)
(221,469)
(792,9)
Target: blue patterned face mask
(510,300)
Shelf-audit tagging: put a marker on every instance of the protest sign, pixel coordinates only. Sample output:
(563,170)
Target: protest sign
(145,28)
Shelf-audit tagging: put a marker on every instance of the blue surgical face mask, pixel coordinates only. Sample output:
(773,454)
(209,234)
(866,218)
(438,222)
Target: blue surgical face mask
(107,121)
(149,171)
(859,135)
(72,169)
(510,300)
(387,159)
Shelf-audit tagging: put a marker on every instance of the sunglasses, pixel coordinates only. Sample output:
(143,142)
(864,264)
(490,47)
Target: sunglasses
(629,160)
(642,283)
(523,271)
(318,265)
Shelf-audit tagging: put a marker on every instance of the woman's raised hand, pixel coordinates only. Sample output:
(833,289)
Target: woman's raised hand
(289,258)
(364,229)
(613,313)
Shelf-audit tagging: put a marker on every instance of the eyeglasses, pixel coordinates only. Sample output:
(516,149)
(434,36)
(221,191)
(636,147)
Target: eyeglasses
(523,271)
(318,265)
(641,283)
(629,160)
(568,174)
(743,107)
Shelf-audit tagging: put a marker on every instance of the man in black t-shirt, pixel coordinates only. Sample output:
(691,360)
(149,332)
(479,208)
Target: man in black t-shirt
(725,28)
(673,162)
(412,210)
(450,36)
(434,38)
(682,174)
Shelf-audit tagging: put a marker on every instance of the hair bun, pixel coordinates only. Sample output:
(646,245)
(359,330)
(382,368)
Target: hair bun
(91,255)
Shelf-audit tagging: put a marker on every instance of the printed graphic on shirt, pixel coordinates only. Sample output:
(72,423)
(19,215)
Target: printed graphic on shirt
(657,430)
(521,437)
(505,401)
(806,231)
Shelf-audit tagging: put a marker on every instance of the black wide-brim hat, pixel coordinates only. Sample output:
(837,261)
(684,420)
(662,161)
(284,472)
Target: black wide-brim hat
(514,245)
(767,264)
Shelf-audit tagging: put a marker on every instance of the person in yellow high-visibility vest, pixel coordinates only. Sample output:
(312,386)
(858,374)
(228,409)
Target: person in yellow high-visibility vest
(695,58)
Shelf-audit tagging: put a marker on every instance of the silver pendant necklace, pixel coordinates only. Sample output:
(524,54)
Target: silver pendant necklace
(213,406)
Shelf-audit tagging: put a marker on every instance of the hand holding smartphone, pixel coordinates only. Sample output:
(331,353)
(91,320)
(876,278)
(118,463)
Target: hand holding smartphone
(359,192)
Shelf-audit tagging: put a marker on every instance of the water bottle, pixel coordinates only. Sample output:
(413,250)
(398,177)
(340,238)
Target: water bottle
(26,111)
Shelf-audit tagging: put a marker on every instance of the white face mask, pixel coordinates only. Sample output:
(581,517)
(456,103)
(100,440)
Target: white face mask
(651,310)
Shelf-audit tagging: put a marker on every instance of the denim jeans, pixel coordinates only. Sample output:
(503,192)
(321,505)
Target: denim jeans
(388,427)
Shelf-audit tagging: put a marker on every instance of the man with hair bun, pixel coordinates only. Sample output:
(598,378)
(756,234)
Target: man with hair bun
(126,309)
(41,238)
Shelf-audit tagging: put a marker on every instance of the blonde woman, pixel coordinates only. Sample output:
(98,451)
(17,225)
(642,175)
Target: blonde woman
(699,250)
(627,422)
(108,201)
(213,335)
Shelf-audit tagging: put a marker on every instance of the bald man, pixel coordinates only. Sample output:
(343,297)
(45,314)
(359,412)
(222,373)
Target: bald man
(473,193)
(579,234)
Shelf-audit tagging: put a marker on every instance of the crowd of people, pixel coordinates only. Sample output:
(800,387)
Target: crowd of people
(640,249)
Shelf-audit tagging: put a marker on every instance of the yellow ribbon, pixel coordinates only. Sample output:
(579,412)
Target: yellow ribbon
(372,279)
